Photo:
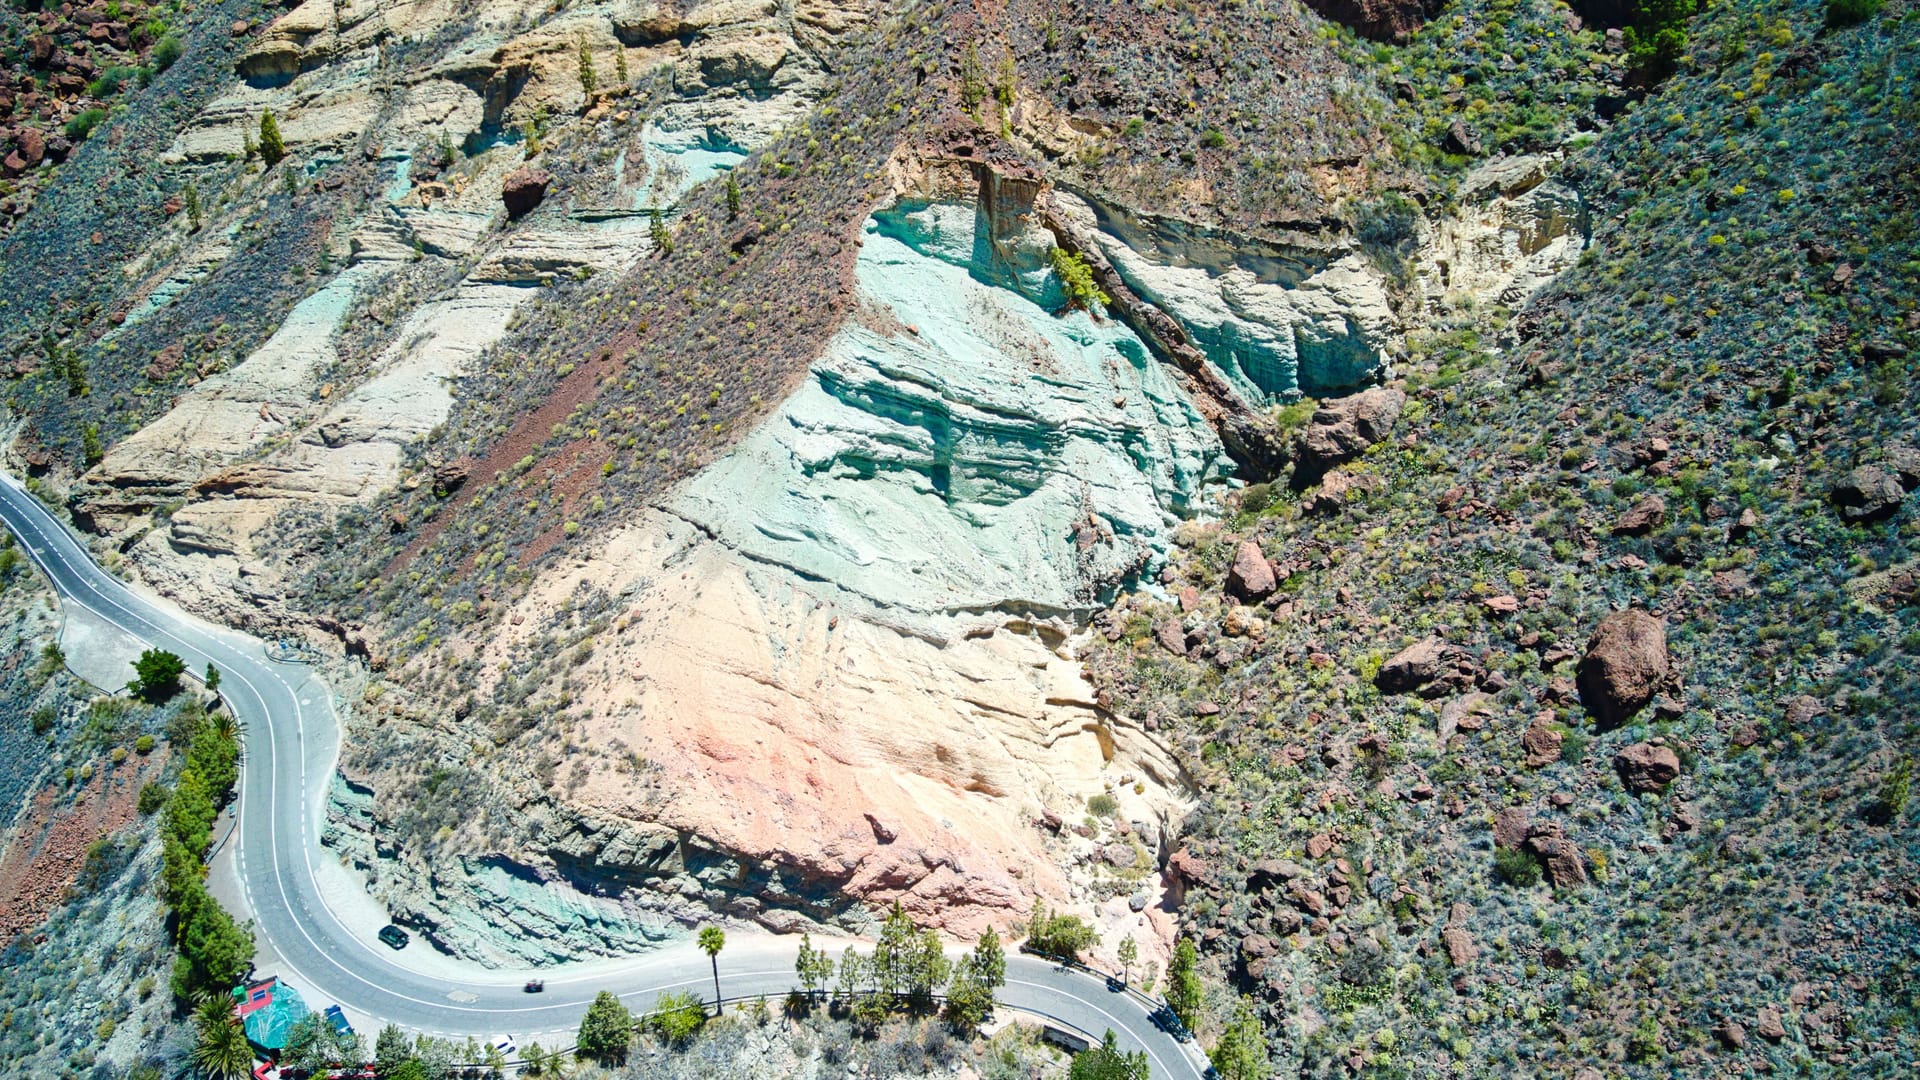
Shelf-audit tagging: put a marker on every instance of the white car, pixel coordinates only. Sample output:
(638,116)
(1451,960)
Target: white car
(502,1045)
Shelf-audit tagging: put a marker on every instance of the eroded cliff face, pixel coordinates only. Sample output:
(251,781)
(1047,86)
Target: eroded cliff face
(314,420)
(836,668)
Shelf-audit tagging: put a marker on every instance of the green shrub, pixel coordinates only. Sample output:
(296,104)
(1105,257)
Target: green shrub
(1515,867)
(1076,277)
(677,1016)
(1103,805)
(158,675)
(1213,139)
(272,146)
(152,798)
(1844,13)
(82,125)
(166,51)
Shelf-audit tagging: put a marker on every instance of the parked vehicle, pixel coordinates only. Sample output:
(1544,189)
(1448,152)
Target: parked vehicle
(393,937)
(1166,1020)
(534,986)
(502,1045)
(338,1019)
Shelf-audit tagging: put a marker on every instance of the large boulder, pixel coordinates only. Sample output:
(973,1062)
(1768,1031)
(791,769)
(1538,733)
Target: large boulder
(1559,856)
(1644,767)
(1344,427)
(1251,576)
(1380,20)
(1869,493)
(1642,517)
(1625,665)
(1429,666)
(525,187)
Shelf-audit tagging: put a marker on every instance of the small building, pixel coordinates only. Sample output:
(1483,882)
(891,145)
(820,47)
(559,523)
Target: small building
(268,1009)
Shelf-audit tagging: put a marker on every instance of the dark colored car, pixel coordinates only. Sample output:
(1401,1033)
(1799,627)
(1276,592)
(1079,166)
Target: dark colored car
(1165,1019)
(535,986)
(393,936)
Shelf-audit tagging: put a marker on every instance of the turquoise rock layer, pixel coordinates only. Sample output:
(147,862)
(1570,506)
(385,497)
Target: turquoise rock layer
(958,446)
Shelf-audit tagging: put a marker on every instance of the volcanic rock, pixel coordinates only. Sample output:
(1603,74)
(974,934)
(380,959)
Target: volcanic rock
(523,190)
(1869,493)
(1644,767)
(1625,664)
(1429,666)
(1344,427)
(1251,577)
(1642,517)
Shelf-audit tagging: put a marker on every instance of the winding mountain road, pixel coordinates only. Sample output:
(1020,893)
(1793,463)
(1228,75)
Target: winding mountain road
(292,741)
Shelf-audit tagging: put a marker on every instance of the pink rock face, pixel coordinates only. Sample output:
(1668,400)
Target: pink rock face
(1625,665)
(1251,577)
(1644,767)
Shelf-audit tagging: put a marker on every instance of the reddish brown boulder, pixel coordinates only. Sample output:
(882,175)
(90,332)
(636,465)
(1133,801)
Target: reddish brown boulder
(1566,867)
(1769,1025)
(1459,944)
(1625,665)
(1510,826)
(1429,666)
(1644,767)
(1642,517)
(1541,742)
(1380,20)
(523,190)
(1251,577)
(30,145)
(1344,427)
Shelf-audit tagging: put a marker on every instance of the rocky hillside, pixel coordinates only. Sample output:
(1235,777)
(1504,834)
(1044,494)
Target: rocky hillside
(1553,706)
(1413,497)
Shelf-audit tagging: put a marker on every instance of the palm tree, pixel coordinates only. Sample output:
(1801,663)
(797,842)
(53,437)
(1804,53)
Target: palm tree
(712,940)
(223,1052)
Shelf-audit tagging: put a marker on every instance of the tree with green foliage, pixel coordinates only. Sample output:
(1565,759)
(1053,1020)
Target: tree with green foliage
(1241,1053)
(1658,37)
(313,1044)
(733,195)
(166,51)
(813,967)
(193,207)
(657,232)
(969,998)
(213,678)
(1845,13)
(1108,1062)
(712,940)
(589,82)
(677,1016)
(1127,952)
(390,1048)
(1059,935)
(215,951)
(157,675)
(221,1051)
(991,959)
(606,1031)
(973,79)
(272,147)
(855,976)
(1184,993)
(1076,280)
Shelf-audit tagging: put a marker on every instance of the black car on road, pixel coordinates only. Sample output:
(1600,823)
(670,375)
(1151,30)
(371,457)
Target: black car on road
(393,937)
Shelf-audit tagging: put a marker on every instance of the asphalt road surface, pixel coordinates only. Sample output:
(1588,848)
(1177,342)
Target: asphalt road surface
(291,741)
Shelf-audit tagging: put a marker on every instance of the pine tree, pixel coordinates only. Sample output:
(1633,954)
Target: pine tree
(657,232)
(193,207)
(1184,994)
(588,81)
(605,1031)
(272,147)
(733,196)
(1241,1053)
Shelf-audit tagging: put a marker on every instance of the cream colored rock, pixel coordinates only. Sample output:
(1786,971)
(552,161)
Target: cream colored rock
(1515,230)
